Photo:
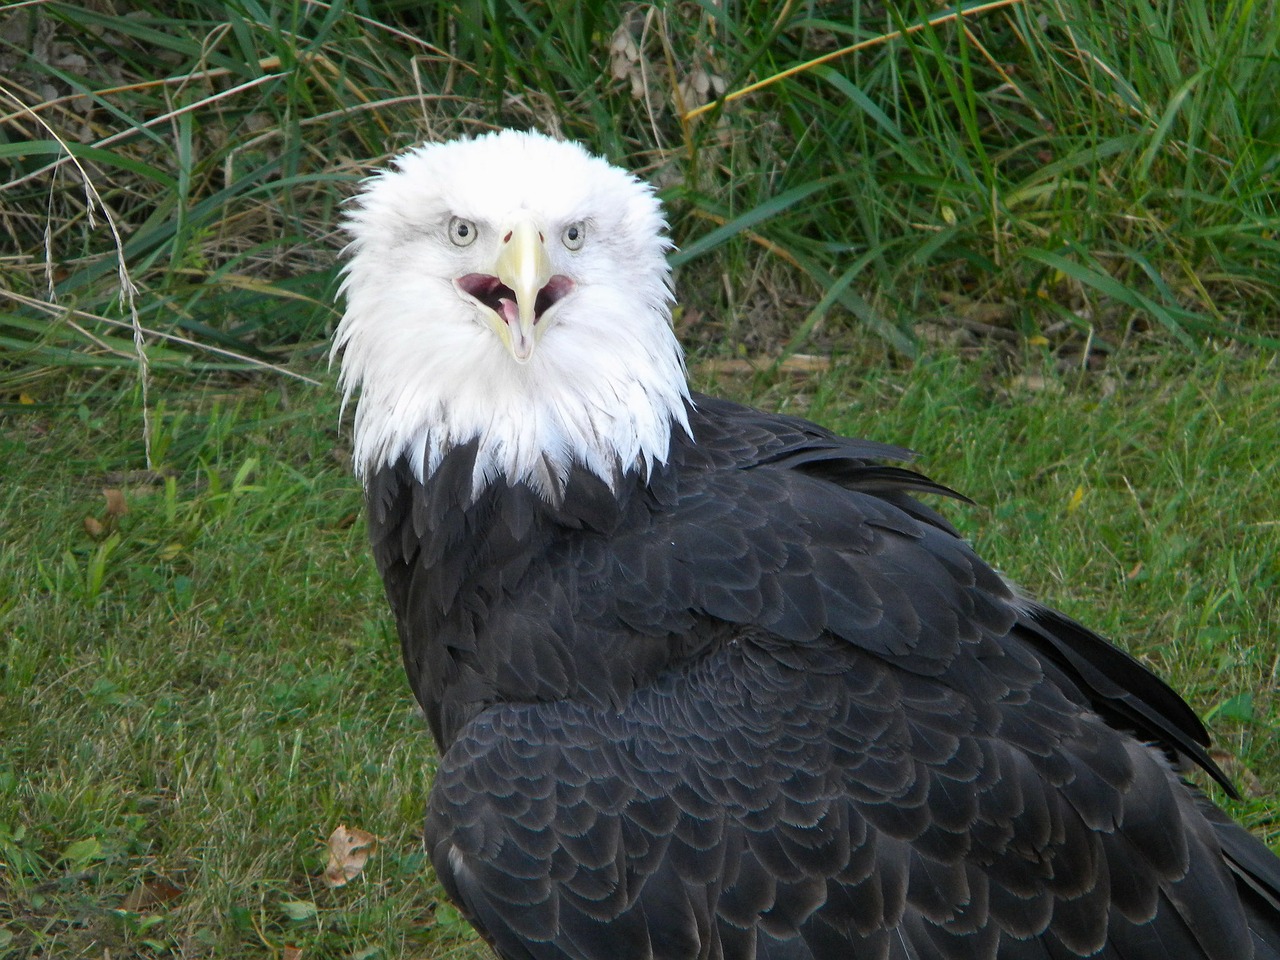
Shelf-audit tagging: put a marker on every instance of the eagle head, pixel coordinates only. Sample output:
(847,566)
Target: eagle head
(510,289)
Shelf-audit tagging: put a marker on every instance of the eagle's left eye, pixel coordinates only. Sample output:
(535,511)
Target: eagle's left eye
(462,232)
(575,234)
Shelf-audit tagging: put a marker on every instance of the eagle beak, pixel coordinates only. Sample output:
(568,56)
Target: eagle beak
(524,267)
(515,298)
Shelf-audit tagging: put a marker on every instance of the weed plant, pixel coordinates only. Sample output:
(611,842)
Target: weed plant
(174,169)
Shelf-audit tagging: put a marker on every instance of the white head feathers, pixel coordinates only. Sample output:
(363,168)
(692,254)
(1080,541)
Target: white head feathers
(435,365)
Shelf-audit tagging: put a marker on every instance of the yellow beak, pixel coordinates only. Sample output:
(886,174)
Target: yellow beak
(523,265)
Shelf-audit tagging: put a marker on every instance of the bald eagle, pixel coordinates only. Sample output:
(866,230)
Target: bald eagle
(711,682)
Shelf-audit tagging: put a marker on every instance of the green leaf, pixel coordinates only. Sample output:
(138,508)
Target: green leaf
(756,215)
(299,909)
(85,851)
(1239,708)
(1161,132)
(104,158)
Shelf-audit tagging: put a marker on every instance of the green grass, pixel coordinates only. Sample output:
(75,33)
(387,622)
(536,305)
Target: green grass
(201,689)
(205,691)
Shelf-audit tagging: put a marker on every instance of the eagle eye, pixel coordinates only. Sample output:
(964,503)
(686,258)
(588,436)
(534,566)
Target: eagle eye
(575,234)
(462,232)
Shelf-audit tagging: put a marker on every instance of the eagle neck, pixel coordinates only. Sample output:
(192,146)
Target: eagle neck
(454,562)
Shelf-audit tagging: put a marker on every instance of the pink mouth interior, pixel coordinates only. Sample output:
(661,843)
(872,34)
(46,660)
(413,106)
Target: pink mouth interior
(501,299)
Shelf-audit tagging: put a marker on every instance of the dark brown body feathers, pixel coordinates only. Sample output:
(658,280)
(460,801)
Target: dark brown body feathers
(765,704)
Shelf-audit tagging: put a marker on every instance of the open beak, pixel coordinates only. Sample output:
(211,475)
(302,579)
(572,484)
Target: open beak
(520,289)
(523,265)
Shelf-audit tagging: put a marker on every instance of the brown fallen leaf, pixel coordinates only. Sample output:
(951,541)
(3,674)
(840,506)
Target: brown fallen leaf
(150,893)
(292,953)
(349,850)
(116,505)
(1035,383)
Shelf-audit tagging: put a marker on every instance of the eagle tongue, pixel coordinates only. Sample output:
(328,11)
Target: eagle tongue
(510,312)
(521,343)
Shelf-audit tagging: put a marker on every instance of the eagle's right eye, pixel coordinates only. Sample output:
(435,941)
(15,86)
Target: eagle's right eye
(462,232)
